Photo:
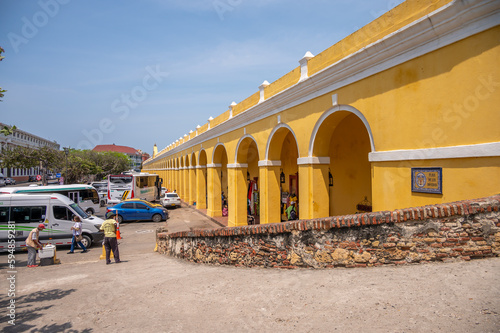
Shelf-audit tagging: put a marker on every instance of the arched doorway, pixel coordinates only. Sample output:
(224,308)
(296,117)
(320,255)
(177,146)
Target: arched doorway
(343,135)
(185,179)
(180,188)
(282,177)
(201,181)
(192,178)
(217,182)
(176,175)
(246,181)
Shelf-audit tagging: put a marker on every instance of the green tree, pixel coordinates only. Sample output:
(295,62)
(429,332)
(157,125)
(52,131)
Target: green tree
(79,166)
(109,163)
(87,165)
(24,157)
(6,130)
(1,58)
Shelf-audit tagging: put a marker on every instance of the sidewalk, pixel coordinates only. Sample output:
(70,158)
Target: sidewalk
(220,220)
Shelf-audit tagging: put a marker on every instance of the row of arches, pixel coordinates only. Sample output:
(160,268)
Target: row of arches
(260,177)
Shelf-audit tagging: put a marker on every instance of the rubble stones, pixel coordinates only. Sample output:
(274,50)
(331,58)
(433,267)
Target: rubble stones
(462,230)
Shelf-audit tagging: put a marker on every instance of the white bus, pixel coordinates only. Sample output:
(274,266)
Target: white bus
(143,186)
(85,196)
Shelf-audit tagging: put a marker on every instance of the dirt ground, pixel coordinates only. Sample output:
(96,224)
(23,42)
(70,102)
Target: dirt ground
(150,292)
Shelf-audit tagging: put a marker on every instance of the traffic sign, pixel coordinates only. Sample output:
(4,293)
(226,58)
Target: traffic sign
(58,175)
(38,177)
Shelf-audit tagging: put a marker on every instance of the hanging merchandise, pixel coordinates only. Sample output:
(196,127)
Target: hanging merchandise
(256,203)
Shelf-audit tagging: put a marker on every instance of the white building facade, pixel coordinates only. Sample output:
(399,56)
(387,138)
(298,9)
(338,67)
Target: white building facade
(23,139)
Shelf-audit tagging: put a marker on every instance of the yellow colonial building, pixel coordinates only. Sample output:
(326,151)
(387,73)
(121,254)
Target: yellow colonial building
(404,112)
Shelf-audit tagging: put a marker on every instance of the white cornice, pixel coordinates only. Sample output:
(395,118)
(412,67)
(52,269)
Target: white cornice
(237,165)
(480,150)
(313,160)
(269,163)
(449,24)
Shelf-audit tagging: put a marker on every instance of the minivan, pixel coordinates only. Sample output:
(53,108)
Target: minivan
(21,213)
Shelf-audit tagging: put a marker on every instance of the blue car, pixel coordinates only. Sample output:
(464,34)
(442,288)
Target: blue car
(137,211)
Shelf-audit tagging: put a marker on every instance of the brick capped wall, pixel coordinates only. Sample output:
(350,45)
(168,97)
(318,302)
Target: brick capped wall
(461,230)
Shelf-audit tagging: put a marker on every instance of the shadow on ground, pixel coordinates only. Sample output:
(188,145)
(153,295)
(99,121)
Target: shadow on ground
(30,307)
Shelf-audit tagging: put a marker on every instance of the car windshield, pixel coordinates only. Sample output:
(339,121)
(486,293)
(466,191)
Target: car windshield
(79,210)
(172,195)
(120,180)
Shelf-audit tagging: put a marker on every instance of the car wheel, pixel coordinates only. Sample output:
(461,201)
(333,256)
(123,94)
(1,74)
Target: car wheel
(86,241)
(89,211)
(119,219)
(157,218)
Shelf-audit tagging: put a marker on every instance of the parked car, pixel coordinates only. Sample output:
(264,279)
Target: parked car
(136,211)
(171,200)
(10,181)
(143,201)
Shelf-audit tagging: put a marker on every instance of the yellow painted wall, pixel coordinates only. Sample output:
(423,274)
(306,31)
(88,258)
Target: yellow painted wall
(449,97)
(433,100)
(463,179)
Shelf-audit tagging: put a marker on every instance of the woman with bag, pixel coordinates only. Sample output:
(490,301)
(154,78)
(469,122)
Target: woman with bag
(77,235)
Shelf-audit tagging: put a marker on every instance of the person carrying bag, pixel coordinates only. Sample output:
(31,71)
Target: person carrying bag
(77,235)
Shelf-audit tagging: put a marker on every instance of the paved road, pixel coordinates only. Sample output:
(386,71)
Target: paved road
(150,292)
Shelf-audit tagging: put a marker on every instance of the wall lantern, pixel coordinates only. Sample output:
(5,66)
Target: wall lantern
(330,178)
(282,177)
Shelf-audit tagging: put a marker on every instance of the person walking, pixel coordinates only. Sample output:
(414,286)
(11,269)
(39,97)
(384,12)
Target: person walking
(33,243)
(110,243)
(77,235)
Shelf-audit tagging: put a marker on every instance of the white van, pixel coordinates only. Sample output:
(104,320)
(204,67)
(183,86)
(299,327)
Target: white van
(21,213)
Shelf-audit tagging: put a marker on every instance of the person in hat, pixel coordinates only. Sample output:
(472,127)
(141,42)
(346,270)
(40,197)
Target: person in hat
(33,243)
(110,242)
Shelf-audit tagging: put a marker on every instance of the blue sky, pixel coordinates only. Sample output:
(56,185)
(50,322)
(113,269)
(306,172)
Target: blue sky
(136,73)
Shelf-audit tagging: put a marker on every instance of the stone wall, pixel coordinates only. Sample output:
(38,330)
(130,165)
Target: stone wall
(462,230)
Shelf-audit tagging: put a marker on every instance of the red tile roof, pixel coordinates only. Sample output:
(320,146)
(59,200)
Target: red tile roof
(118,149)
